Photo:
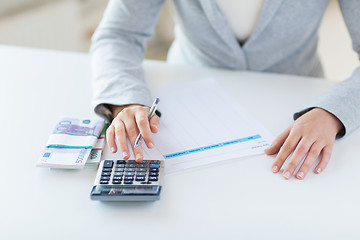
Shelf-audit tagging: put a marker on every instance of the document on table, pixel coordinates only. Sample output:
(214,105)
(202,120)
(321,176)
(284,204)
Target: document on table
(202,124)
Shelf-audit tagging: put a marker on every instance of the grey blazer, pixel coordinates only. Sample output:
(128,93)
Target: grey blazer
(284,41)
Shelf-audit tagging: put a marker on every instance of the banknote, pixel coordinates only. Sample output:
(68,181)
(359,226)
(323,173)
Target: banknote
(64,157)
(95,155)
(75,133)
(73,143)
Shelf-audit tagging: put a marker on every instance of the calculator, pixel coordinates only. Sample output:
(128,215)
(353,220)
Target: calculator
(128,180)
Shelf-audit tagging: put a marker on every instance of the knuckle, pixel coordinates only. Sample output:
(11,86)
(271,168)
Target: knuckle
(131,130)
(314,152)
(155,120)
(327,151)
(119,131)
(291,165)
(306,166)
(279,160)
(146,135)
(298,127)
(143,108)
(126,111)
(142,122)
(110,130)
(287,148)
(301,148)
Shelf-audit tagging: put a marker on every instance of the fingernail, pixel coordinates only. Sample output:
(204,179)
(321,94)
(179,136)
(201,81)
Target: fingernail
(112,150)
(300,175)
(138,157)
(275,169)
(154,126)
(286,174)
(125,155)
(318,170)
(151,145)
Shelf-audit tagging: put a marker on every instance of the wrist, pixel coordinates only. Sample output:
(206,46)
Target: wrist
(116,109)
(332,118)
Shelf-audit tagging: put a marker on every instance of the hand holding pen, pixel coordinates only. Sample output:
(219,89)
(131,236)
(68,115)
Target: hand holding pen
(131,120)
(151,114)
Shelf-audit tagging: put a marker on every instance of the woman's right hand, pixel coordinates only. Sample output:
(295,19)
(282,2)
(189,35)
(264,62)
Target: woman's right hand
(128,121)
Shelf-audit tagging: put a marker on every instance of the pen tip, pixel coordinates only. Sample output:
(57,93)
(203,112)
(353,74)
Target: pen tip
(157,100)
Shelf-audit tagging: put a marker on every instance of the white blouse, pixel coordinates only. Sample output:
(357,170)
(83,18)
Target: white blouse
(241,15)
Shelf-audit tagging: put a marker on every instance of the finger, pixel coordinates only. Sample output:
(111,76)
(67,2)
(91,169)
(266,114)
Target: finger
(311,157)
(325,158)
(300,152)
(144,127)
(132,133)
(278,142)
(110,138)
(154,124)
(289,145)
(120,135)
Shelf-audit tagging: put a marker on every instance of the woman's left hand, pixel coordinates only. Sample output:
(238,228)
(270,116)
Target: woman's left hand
(309,136)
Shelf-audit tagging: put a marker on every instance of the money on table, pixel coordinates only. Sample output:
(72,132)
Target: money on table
(71,143)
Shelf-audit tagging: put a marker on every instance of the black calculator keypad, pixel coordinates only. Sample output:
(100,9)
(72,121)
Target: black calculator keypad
(130,172)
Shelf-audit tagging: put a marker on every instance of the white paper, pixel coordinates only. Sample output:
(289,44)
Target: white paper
(201,124)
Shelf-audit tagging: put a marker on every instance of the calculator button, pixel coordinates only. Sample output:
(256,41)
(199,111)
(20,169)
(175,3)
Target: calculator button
(140,173)
(128,178)
(131,165)
(104,181)
(120,162)
(153,179)
(130,162)
(105,169)
(106,178)
(108,164)
(153,174)
(119,169)
(154,165)
(105,173)
(155,161)
(141,169)
(129,169)
(121,165)
(117,178)
(154,170)
(116,181)
(128,182)
(118,173)
(142,165)
(129,173)
(140,178)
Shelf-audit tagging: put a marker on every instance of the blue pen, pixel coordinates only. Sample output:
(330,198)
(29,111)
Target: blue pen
(151,113)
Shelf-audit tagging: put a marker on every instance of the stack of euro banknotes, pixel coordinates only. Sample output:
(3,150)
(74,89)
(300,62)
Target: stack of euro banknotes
(75,143)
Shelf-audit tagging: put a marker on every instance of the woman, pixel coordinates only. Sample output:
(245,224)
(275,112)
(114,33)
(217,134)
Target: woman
(269,36)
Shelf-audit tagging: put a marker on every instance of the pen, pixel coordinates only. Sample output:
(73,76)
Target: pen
(151,113)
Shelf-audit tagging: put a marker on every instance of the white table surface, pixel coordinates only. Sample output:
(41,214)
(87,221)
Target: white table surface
(237,199)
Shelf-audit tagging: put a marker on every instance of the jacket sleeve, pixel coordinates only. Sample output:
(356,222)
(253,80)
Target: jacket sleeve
(343,100)
(117,52)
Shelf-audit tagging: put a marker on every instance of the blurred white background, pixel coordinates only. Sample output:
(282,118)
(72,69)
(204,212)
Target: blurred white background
(69,24)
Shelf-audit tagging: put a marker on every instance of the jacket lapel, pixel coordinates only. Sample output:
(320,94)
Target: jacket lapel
(269,9)
(221,26)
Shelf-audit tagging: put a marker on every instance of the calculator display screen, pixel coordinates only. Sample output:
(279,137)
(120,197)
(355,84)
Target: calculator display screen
(121,190)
